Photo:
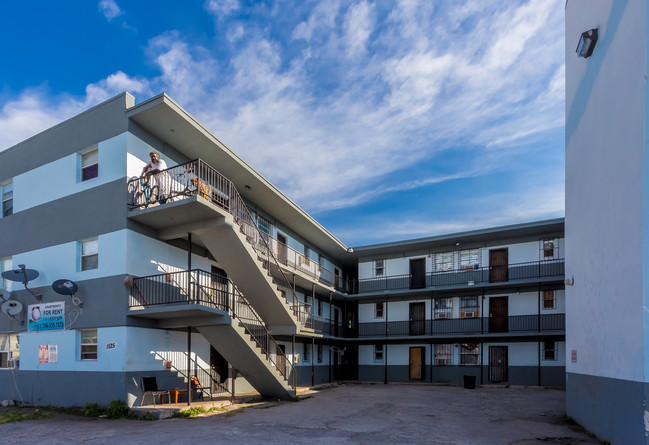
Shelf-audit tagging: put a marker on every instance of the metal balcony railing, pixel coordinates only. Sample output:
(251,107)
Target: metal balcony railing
(198,178)
(293,260)
(515,323)
(473,276)
(200,287)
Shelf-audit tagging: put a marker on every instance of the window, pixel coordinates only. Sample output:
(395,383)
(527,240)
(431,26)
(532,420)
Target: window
(7,196)
(9,350)
(469,307)
(320,308)
(549,248)
(319,353)
(549,351)
(443,262)
(443,308)
(90,254)
(378,353)
(378,310)
(321,262)
(89,164)
(443,355)
(263,224)
(470,259)
(5,264)
(469,353)
(88,344)
(379,267)
(549,300)
(306,353)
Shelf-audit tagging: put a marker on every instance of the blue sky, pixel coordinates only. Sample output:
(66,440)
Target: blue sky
(385,120)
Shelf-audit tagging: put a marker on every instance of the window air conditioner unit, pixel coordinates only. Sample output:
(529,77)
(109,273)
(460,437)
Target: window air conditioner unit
(442,362)
(469,314)
(12,363)
(441,315)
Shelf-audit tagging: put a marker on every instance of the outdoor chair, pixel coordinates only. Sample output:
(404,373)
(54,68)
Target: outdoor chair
(196,386)
(150,387)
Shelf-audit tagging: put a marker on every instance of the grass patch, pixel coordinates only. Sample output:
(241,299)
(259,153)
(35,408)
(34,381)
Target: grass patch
(569,420)
(19,416)
(92,410)
(195,411)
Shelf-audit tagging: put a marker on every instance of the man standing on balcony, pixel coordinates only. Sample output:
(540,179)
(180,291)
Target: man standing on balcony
(159,178)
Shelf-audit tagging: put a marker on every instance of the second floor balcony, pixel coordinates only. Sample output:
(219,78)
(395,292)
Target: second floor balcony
(515,324)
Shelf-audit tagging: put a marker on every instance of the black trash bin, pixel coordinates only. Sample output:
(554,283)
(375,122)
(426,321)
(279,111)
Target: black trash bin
(469,381)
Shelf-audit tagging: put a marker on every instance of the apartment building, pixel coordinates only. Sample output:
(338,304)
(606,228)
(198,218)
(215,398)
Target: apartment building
(206,269)
(487,303)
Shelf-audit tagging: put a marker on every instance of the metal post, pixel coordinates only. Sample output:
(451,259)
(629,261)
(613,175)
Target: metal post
(234,378)
(189,365)
(385,311)
(539,362)
(385,371)
(189,251)
(481,363)
(190,287)
(294,366)
(482,313)
(538,311)
(329,348)
(313,356)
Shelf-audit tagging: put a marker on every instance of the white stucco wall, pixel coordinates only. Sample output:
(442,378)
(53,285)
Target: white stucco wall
(120,252)
(605,183)
(135,349)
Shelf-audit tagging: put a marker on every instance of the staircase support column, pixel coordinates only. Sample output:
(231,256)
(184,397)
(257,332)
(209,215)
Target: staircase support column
(189,365)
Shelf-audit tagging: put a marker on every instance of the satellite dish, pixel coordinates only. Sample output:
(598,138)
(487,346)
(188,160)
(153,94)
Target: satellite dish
(22,275)
(12,307)
(65,287)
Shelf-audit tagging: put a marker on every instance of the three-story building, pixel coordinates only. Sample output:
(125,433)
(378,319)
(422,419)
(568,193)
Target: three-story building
(206,269)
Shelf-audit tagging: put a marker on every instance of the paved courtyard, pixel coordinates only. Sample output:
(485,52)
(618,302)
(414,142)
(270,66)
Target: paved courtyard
(350,413)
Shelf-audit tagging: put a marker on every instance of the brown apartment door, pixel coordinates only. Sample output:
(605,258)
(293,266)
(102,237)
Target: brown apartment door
(418,273)
(498,314)
(219,286)
(498,262)
(281,359)
(282,250)
(417,318)
(417,363)
(219,370)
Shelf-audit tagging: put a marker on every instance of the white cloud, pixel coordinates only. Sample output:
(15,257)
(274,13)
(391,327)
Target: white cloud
(109,9)
(357,28)
(221,8)
(358,95)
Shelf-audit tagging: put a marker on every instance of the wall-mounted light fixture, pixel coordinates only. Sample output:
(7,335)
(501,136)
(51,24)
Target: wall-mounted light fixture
(587,43)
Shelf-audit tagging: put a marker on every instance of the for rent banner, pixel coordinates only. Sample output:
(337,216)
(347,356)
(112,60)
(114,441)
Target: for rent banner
(46,316)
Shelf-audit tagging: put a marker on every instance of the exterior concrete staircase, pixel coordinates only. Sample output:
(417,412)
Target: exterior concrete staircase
(242,251)
(214,306)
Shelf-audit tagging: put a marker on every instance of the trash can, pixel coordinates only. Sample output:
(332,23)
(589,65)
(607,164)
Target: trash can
(469,381)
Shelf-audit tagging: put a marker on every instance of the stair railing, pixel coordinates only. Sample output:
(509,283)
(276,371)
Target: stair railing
(199,178)
(197,286)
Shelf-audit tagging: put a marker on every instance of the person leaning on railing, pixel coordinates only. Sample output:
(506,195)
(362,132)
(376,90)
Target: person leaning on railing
(159,178)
